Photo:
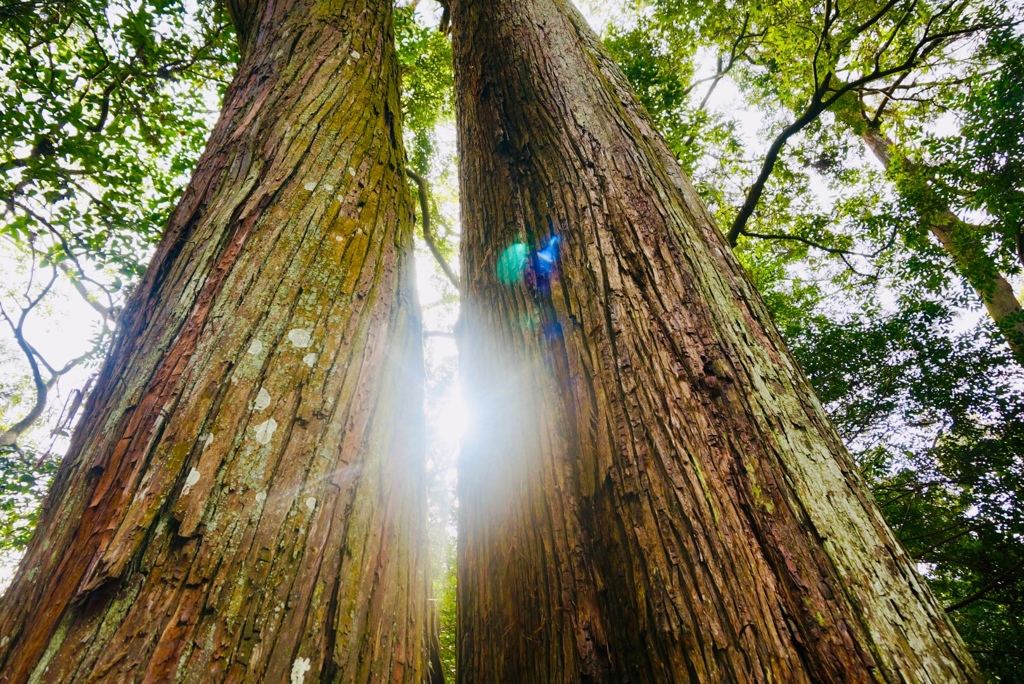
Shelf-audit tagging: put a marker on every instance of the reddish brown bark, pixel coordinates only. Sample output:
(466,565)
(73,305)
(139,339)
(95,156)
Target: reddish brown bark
(244,498)
(650,491)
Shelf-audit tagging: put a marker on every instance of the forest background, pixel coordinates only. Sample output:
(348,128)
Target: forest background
(877,204)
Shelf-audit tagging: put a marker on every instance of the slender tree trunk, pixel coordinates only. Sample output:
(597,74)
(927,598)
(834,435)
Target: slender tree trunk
(967,251)
(244,497)
(650,490)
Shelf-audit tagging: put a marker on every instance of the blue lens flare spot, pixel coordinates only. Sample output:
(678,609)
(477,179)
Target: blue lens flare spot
(512,263)
(547,258)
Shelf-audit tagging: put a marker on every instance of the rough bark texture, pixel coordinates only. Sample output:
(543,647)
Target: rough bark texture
(650,491)
(244,499)
(968,253)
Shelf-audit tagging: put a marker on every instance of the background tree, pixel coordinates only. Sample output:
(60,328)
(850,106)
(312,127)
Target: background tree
(244,498)
(859,63)
(650,490)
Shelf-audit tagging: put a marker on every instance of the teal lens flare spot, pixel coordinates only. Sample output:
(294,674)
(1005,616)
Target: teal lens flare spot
(512,263)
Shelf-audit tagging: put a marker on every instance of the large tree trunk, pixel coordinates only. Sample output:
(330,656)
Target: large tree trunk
(650,490)
(244,497)
(967,251)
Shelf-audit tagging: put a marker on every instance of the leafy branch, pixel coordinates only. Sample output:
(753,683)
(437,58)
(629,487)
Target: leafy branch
(828,90)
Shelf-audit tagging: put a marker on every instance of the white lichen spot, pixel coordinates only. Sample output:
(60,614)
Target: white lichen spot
(309,359)
(261,497)
(300,337)
(193,477)
(262,400)
(339,238)
(310,185)
(355,55)
(299,669)
(208,439)
(256,347)
(351,171)
(265,430)
(328,187)
(311,504)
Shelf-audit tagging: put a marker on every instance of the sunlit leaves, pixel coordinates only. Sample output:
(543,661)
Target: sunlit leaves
(425,58)
(104,109)
(24,479)
(101,117)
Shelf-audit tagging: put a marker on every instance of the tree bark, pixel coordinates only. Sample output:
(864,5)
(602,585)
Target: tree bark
(968,253)
(650,490)
(244,499)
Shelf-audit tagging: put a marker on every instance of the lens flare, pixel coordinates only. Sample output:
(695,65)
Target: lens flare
(512,264)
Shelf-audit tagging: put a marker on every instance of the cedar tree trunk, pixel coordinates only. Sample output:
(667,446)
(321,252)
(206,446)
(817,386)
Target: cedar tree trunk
(244,498)
(650,491)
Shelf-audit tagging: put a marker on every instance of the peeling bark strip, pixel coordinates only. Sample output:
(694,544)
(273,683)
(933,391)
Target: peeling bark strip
(651,492)
(244,499)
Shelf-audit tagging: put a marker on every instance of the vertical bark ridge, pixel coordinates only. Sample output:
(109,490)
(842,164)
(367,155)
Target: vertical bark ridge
(650,491)
(244,500)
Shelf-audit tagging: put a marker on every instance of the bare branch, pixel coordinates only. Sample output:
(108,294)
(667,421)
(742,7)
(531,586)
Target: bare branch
(722,70)
(843,254)
(806,241)
(78,275)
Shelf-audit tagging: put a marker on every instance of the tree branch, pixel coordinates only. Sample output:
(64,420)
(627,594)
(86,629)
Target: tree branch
(980,594)
(428,236)
(76,282)
(10,436)
(820,103)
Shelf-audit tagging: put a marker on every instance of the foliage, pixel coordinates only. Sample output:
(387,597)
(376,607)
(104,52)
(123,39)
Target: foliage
(24,480)
(102,116)
(425,58)
(101,122)
(444,598)
(937,422)
(982,167)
